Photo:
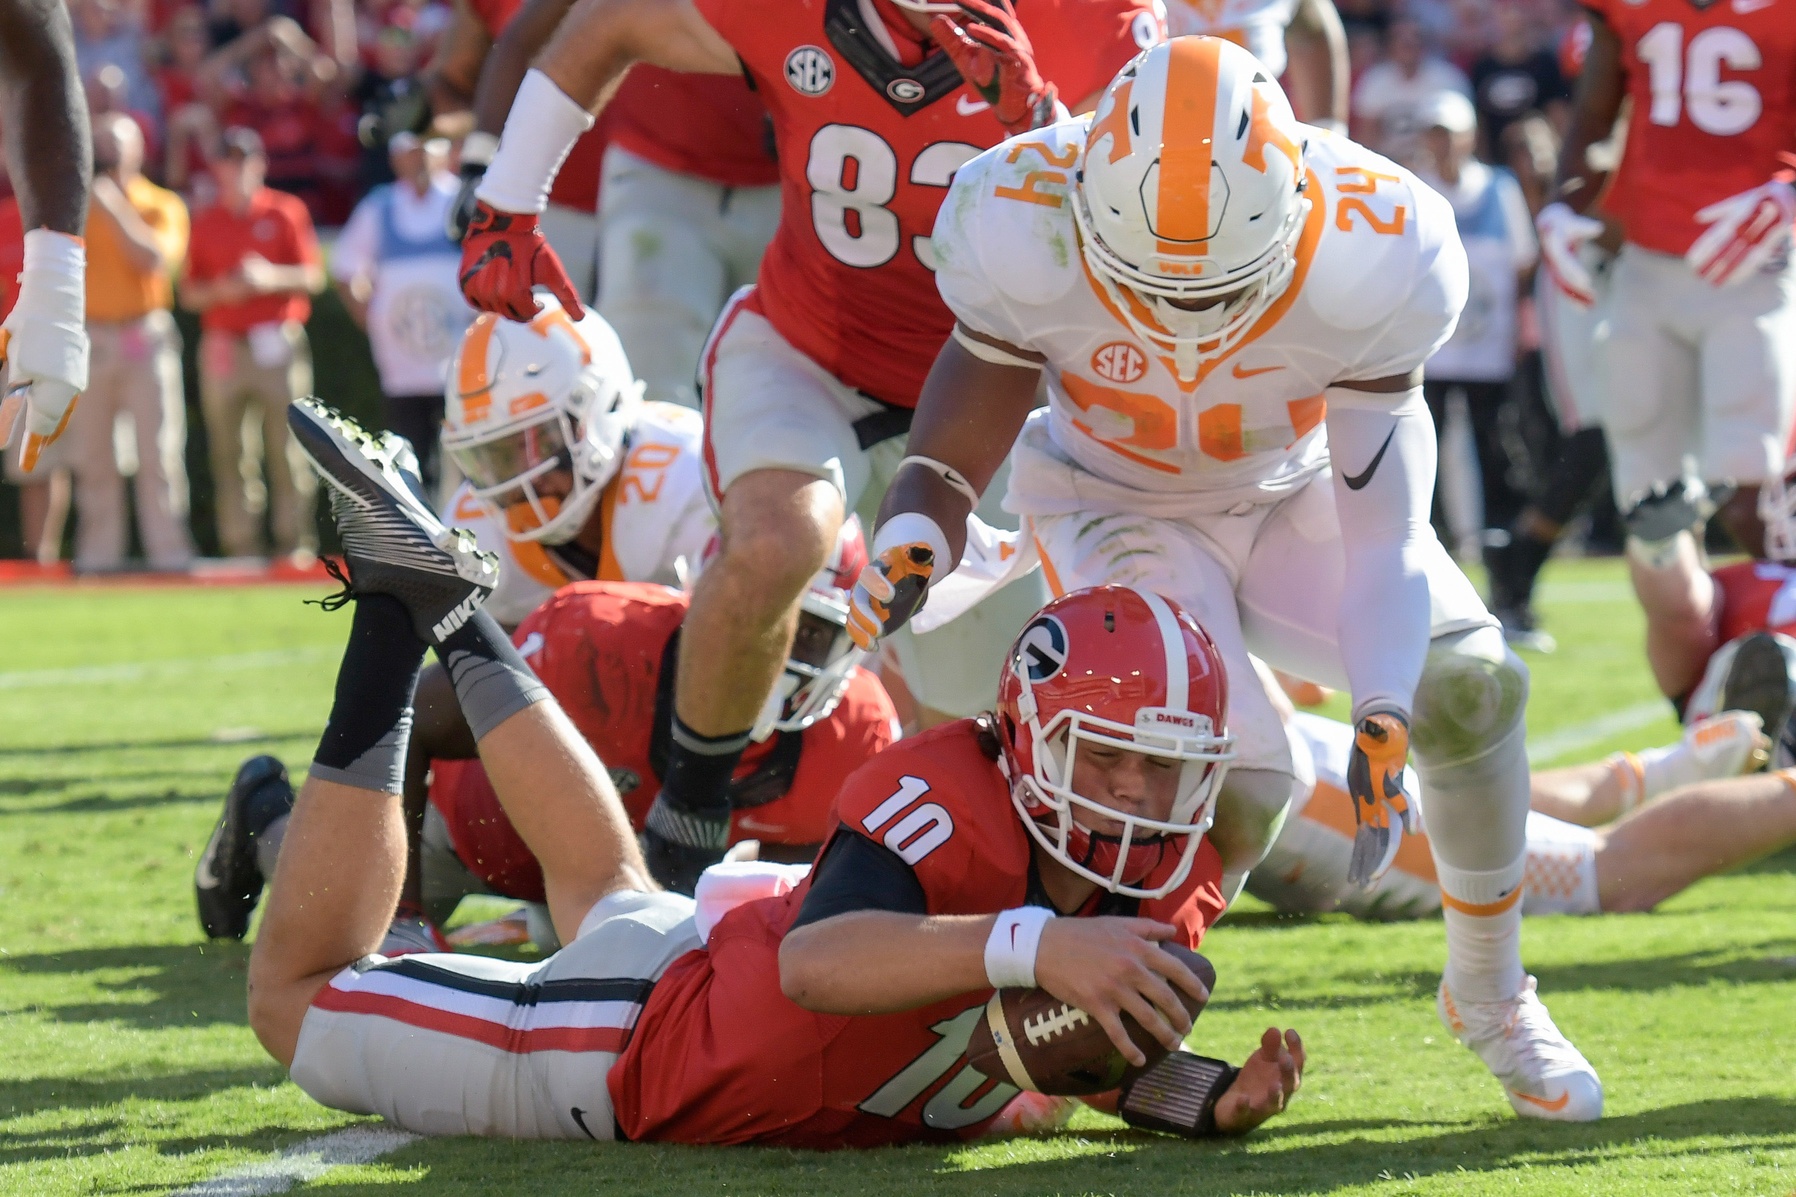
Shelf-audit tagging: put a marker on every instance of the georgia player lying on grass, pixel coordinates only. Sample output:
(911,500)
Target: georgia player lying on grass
(810,376)
(1618,835)
(836,1015)
(1250,306)
(606,652)
(49,159)
(1304,36)
(570,475)
(1699,357)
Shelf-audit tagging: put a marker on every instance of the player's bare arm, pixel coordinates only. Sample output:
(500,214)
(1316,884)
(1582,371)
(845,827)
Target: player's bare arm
(454,71)
(1595,106)
(45,114)
(599,39)
(878,962)
(1319,74)
(972,406)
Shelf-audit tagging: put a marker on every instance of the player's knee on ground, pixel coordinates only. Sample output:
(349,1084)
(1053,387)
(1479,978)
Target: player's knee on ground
(1250,812)
(1471,698)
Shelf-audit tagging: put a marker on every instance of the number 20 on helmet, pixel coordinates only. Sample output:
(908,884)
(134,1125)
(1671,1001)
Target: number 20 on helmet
(1118,668)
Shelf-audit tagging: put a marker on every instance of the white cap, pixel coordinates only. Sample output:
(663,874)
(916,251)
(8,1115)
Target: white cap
(1449,110)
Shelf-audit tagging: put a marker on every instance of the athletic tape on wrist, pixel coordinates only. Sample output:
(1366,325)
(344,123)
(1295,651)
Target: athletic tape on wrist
(53,280)
(947,473)
(987,352)
(543,125)
(1010,949)
(913,527)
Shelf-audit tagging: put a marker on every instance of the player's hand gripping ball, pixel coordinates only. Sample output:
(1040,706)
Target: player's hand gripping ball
(503,256)
(1033,1040)
(889,591)
(1382,809)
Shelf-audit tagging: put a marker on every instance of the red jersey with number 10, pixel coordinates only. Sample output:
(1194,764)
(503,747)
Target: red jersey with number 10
(721,1056)
(1714,91)
(867,147)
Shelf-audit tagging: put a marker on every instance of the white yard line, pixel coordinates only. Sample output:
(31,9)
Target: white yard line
(137,671)
(1567,740)
(302,1162)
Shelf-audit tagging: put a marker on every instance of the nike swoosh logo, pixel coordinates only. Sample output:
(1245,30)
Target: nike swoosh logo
(967,106)
(1358,481)
(1746,6)
(580,1120)
(1240,373)
(1555,1105)
(1013,937)
(533,644)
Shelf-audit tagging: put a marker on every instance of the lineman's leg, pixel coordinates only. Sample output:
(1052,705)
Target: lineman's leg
(1748,358)
(1650,394)
(1191,561)
(1691,833)
(664,278)
(781,452)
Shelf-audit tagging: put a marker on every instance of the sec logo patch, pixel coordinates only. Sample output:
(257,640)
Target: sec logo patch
(810,71)
(1119,361)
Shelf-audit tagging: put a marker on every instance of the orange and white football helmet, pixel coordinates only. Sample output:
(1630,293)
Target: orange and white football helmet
(1114,667)
(524,401)
(1190,189)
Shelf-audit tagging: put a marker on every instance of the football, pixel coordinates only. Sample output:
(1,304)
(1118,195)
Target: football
(1033,1040)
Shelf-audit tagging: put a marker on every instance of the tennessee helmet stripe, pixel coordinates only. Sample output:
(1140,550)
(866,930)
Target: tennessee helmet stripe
(475,375)
(1172,639)
(1187,132)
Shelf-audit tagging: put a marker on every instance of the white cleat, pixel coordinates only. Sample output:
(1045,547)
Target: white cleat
(1541,1072)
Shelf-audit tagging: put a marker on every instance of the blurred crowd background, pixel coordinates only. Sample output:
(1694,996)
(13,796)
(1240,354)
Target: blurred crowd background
(249,195)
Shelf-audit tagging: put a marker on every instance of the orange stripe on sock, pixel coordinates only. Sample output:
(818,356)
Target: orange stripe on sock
(1482,910)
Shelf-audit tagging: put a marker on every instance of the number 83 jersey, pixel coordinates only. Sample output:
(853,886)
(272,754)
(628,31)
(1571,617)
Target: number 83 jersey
(1379,281)
(870,122)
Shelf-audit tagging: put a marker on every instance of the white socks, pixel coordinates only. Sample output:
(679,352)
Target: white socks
(1483,913)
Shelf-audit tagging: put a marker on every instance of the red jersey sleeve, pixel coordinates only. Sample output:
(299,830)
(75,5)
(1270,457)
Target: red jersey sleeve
(300,239)
(939,803)
(1081,44)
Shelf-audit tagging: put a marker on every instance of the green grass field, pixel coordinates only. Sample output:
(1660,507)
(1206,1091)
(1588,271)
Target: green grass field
(125,1064)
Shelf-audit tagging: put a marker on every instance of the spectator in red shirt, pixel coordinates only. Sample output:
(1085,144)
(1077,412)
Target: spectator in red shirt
(275,77)
(251,272)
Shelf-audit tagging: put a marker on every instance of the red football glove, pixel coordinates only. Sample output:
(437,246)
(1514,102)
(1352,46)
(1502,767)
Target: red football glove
(994,56)
(503,256)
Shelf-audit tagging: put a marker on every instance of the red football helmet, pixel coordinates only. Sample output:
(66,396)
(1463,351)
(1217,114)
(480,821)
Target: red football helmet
(1127,669)
(823,655)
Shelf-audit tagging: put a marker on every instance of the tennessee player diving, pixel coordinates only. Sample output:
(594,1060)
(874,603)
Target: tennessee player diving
(810,376)
(1232,311)
(569,474)
(1056,843)
(49,159)
(1697,363)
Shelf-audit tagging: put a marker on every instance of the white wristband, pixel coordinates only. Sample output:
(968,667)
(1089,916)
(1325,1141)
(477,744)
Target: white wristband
(542,126)
(1011,948)
(947,473)
(913,527)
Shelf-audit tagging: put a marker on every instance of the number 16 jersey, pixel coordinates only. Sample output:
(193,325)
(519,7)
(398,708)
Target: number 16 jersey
(1378,285)
(867,146)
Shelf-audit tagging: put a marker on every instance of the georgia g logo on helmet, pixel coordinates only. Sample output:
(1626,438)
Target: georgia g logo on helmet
(1041,649)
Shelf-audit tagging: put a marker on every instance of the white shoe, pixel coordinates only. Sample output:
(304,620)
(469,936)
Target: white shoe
(1542,1073)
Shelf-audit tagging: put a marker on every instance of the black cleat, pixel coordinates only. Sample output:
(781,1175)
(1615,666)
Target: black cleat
(393,541)
(1762,678)
(227,881)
